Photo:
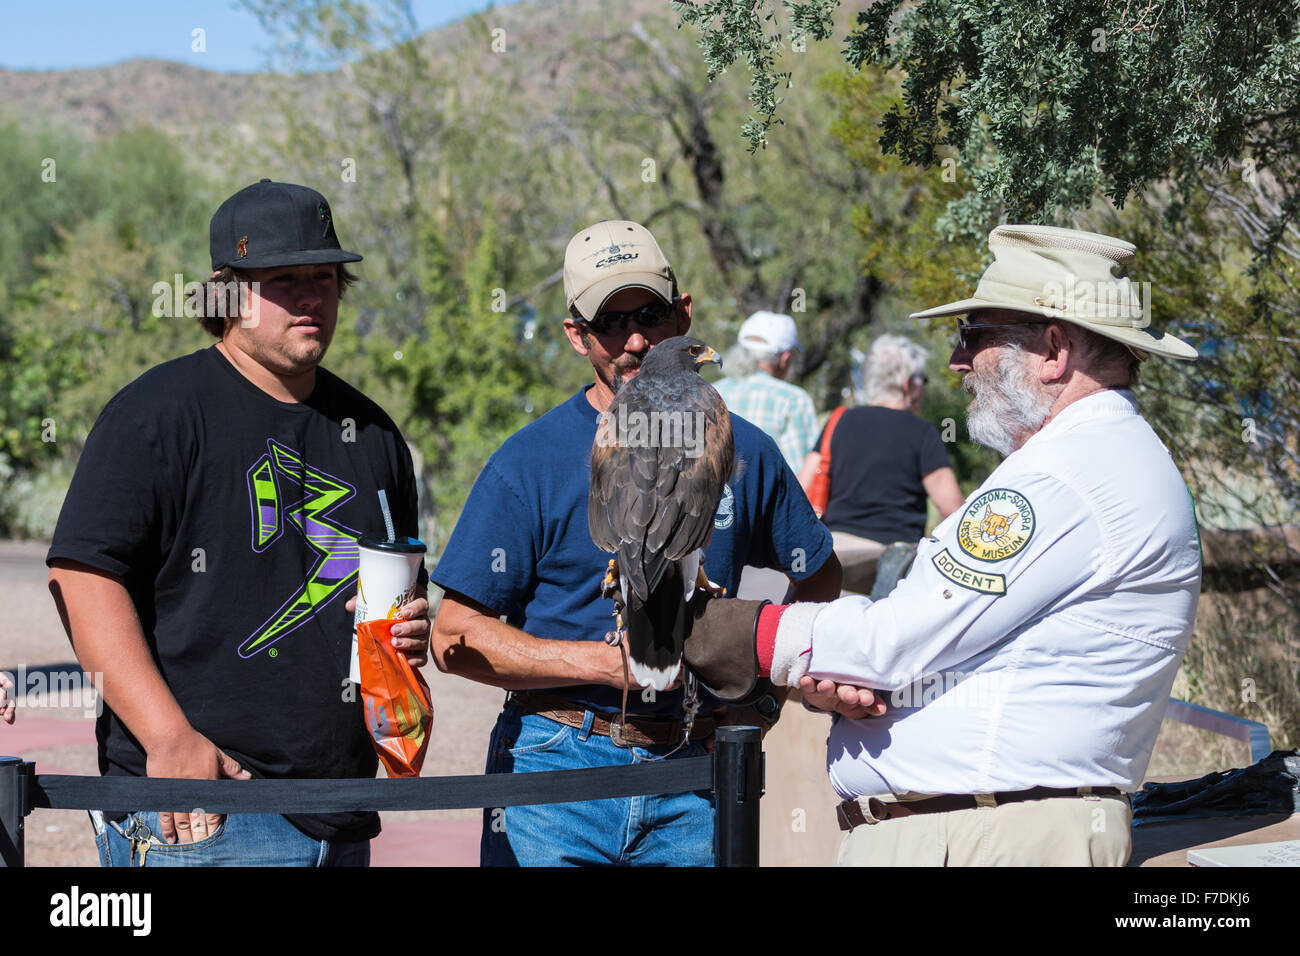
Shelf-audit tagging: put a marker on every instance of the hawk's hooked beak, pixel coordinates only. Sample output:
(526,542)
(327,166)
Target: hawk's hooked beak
(709,358)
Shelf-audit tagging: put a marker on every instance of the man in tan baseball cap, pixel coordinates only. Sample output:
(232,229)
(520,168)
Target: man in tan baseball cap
(609,257)
(622,298)
(1025,661)
(523,608)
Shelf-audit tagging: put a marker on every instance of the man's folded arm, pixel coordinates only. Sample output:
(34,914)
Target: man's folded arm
(932,621)
(949,608)
(470,640)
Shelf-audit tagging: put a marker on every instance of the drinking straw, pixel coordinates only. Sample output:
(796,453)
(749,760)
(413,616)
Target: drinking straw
(388,517)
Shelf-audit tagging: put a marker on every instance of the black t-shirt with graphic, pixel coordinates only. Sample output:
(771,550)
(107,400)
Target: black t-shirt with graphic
(233,519)
(878,458)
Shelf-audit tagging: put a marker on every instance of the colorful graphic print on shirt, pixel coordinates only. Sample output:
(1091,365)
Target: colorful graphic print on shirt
(285,490)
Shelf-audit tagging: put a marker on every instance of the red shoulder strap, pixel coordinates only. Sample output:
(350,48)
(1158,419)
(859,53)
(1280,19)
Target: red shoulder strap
(826,437)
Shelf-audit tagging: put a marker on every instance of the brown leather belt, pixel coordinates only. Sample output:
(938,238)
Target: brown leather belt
(633,732)
(851,813)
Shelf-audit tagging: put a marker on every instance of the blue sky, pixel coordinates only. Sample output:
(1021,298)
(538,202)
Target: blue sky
(76,34)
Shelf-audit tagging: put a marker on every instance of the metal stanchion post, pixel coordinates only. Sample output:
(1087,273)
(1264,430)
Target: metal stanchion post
(13,809)
(738,784)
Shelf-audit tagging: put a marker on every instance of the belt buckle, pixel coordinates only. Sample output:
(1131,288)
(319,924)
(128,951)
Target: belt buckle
(868,812)
(616,732)
(876,810)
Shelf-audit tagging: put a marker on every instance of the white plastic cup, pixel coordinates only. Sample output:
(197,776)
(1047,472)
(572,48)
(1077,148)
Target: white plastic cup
(386,580)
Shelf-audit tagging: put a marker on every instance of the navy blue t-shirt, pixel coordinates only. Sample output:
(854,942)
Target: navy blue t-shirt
(522,546)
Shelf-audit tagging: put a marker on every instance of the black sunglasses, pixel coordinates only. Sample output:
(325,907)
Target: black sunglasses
(967,340)
(649,316)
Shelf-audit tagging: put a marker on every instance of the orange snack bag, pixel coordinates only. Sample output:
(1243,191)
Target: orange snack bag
(399,711)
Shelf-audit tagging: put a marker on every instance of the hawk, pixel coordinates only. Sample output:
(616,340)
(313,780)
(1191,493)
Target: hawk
(661,460)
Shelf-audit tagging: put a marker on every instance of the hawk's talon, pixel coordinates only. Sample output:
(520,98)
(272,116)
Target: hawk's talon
(609,585)
(702,583)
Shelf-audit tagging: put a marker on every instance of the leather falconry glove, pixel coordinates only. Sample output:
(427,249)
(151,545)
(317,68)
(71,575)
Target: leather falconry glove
(720,648)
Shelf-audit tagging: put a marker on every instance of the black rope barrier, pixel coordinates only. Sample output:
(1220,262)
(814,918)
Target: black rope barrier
(58,792)
(732,773)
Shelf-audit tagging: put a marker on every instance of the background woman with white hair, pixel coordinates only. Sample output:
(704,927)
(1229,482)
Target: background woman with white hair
(885,461)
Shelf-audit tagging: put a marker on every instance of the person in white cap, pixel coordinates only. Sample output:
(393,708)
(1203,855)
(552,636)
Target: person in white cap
(756,388)
(1022,667)
(523,608)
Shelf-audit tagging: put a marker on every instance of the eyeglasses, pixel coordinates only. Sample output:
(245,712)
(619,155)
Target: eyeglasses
(649,316)
(968,340)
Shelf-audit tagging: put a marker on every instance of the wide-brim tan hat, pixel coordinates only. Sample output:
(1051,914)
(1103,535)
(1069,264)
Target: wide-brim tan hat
(611,256)
(1079,277)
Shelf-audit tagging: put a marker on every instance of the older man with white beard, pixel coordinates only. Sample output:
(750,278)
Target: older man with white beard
(997,705)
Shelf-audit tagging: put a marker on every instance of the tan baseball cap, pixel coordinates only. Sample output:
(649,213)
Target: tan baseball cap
(610,256)
(1079,277)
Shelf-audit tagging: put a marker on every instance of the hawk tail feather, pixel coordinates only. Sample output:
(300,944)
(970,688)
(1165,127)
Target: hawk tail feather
(656,630)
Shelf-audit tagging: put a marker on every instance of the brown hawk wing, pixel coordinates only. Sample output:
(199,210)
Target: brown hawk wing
(653,502)
(660,462)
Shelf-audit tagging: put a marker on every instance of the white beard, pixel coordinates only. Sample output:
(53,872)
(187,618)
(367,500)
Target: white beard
(1010,404)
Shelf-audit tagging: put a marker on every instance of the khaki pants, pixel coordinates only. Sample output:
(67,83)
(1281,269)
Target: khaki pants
(1060,831)
(859,557)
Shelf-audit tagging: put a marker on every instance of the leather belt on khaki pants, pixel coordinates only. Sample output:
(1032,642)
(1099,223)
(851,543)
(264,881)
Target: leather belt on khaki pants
(868,810)
(633,732)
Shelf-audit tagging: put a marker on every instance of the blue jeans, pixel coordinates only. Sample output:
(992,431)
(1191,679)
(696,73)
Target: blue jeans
(660,830)
(242,839)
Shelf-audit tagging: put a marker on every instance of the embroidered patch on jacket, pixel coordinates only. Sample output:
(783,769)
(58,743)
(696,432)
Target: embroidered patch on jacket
(958,573)
(726,515)
(996,525)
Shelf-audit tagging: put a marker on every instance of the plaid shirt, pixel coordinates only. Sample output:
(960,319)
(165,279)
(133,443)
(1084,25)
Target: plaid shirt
(782,410)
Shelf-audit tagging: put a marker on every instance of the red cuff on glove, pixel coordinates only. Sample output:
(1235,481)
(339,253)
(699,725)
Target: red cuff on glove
(765,636)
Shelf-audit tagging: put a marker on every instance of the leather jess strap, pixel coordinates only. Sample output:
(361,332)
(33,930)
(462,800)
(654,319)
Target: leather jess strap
(632,732)
(851,813)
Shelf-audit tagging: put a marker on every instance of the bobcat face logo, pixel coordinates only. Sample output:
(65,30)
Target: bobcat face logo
(242,247)
(996,525)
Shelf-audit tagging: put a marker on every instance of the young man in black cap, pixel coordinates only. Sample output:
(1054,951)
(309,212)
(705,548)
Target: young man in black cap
(207,549)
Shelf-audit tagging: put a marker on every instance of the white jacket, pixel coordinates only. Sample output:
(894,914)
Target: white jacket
(1036,638)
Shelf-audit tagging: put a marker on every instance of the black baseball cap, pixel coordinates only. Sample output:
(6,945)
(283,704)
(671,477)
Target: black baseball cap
(274,224)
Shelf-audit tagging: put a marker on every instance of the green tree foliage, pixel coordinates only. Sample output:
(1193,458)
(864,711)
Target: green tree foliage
(1049,104)
(1064,113)
(446,194)
(85,252)
(734,29)
(462,383)
(500,120)
(908,259)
